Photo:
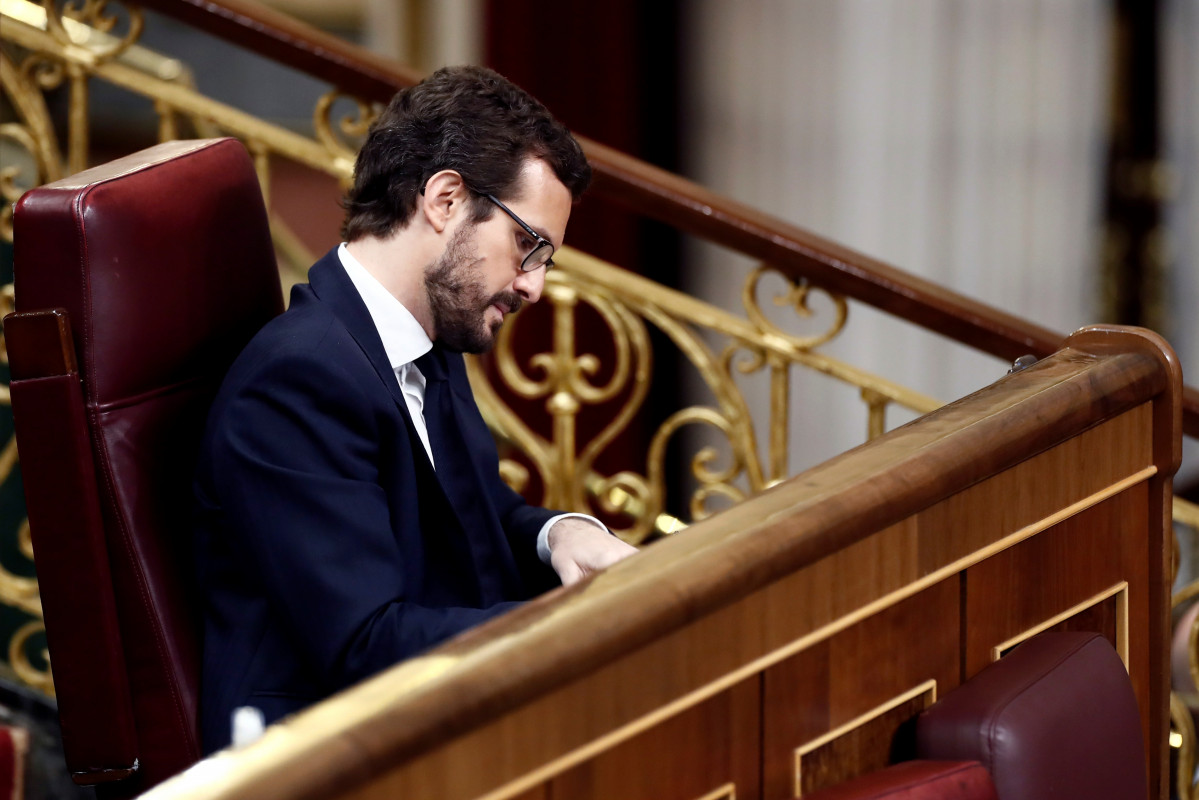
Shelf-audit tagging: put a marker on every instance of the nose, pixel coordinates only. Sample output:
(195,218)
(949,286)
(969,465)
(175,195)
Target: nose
(529,285)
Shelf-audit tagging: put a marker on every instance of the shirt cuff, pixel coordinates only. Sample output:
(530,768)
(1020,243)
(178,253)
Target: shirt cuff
(543,537)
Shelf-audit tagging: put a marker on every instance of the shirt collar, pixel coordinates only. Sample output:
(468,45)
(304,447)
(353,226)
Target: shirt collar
(404,339)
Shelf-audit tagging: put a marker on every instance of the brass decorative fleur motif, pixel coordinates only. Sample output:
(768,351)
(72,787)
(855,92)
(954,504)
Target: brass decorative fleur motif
(343,138)
(86,29)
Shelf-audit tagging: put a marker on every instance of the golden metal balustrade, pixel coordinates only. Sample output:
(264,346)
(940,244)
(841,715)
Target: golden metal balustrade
(627,305)
(47,46)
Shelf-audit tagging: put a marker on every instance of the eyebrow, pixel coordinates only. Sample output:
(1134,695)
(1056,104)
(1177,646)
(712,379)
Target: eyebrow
(539,232)
(520,221)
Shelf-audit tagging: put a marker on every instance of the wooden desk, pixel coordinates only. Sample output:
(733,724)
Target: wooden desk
(781,645)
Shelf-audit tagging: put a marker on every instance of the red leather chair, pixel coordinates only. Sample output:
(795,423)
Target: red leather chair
(1054,718)
(137,283)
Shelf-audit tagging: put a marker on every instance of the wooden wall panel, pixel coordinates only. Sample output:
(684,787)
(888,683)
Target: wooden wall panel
(837,589)
(663,763)
(1067,474)
(1075,562)
(1106,617)
(882,737)
(854,672)
(602,713)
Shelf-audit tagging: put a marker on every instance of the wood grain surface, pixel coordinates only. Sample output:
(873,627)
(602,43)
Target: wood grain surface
(932,544)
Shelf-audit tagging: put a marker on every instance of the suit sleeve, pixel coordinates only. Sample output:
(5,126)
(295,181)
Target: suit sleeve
(295,465)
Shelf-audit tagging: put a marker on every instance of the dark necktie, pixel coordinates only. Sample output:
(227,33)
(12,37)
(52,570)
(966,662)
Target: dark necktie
(456,472)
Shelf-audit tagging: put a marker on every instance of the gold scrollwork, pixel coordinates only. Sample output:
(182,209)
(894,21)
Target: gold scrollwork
(351,127)
(8,458)
(755,358)
(564,379)
(563,370)
(515,474)
(20,592)
(88,26)
(15,590)
(18,657)
(564,383)
(1182,726)
(730,418)
(619,493)
(1182,703)
(34,134)
(796,296)
(43,71)
(12,182)
(6,307)
(713,482)
(25,540)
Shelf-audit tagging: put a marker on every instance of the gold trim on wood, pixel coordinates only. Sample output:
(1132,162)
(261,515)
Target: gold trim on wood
(726,792)
(1119,591)
(928,689)
(702,693)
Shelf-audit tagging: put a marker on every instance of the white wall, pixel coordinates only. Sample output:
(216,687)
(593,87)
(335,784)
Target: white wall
(962,140)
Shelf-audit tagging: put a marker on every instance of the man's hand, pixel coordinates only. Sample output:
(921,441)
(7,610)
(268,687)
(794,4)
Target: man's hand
(579,547)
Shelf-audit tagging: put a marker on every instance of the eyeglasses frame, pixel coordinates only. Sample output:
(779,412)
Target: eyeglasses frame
(537,237)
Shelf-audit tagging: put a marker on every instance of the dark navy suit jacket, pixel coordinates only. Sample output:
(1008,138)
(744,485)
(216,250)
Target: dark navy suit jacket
(328,547)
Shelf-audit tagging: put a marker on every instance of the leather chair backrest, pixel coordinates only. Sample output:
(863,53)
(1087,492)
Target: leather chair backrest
(1054,718)
(164,265)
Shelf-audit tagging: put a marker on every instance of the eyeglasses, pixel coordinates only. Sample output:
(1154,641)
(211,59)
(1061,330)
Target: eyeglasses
(542,254)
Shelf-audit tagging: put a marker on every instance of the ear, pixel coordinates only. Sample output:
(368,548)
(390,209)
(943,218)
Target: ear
(444,197)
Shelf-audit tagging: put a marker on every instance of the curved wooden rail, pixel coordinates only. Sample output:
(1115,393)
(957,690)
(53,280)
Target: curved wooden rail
(660,195)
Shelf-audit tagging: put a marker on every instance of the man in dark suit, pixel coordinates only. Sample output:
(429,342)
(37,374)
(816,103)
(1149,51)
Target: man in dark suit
(350,512)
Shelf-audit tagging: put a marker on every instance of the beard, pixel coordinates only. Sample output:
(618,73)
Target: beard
(458,298)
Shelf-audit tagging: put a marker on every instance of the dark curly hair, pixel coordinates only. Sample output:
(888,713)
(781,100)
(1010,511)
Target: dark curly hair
(469,119)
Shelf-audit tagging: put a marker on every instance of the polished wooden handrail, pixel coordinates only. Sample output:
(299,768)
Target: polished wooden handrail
(660,195)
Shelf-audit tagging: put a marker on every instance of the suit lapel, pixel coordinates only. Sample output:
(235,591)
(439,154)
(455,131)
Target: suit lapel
(334,288)
(456,472)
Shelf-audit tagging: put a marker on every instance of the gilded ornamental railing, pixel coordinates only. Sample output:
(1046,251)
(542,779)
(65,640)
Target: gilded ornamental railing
(46,47)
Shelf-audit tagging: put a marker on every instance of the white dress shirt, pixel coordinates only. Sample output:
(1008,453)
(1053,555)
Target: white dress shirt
(404,341)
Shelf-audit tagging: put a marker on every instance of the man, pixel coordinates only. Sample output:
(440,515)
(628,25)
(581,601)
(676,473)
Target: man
(350,512)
